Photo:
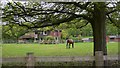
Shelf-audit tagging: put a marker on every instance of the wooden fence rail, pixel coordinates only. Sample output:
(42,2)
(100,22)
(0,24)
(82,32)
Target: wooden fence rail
(30,59)
(55,59)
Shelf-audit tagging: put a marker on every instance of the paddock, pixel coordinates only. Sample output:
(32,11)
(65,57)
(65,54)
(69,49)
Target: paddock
(81,49)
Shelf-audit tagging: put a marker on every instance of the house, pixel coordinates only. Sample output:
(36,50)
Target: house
(117,39)
(39,36)
(56,34)
(114,38)
(28,37)
(87,40)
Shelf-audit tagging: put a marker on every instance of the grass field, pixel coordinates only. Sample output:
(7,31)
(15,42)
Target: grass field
(81,49)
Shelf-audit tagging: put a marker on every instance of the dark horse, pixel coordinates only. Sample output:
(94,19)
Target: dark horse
(69,42)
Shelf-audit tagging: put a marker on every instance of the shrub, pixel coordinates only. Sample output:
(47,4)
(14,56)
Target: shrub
(49,38)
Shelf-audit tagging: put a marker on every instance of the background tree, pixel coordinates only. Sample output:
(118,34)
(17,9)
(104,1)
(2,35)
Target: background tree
(12,32)
(87,31)
(74,29)
(111,29)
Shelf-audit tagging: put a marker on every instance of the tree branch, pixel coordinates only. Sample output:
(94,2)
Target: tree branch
(56,11)
(57,22)
(82,26)
(49,11)
(19,23)
(85,17)
(111,11)
(62,2)
(34,11)
(22,7)
(84,6)
(110,18)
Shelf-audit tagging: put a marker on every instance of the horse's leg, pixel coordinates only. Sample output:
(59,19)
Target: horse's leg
(72,45)
(69,45)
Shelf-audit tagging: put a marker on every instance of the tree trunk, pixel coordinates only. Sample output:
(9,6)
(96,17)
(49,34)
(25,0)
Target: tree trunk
(98,26)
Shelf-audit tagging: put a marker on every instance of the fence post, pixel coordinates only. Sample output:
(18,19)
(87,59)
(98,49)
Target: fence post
(30,60)
(99,61)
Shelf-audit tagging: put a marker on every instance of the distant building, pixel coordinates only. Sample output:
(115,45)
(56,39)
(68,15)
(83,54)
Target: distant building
(92,39)
(28,37)
(56,34)
(39,36)
(114,38)
(87,40)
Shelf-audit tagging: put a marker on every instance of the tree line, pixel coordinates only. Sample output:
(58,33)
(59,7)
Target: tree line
(14,32)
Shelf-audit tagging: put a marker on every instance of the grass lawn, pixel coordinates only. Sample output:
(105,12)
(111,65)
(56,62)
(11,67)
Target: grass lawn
(81,49)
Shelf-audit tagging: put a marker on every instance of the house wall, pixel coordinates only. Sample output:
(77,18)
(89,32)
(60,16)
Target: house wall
(114,39)
(55,34)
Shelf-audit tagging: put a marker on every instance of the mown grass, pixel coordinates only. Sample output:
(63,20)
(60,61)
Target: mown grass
(81,49)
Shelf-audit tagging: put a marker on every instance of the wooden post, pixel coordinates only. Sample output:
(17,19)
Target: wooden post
(99,61)
(30,60)
(105,61)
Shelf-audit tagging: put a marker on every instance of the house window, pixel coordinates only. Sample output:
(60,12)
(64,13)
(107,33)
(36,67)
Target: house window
(36,36)
(45,33)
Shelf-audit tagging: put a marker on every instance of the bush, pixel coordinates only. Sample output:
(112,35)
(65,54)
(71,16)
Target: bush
(49,38)
(76,39)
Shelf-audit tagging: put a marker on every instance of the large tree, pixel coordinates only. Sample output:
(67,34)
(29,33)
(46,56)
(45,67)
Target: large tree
(43,14)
